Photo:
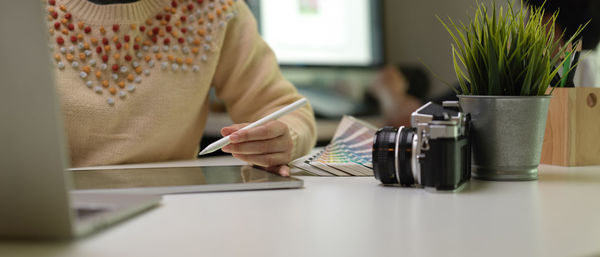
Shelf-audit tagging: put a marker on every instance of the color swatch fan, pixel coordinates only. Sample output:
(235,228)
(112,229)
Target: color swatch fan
(348,153)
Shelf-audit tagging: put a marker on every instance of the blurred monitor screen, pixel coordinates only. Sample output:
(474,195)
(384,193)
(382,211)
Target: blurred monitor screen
(321,32)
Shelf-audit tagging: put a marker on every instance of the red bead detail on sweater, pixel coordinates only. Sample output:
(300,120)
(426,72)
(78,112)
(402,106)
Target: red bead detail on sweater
(143,36)
(148,35)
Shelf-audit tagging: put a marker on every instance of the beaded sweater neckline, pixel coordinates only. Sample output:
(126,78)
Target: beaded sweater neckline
(114,47)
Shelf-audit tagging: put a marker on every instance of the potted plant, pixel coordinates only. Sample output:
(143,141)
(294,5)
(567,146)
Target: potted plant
(505,60)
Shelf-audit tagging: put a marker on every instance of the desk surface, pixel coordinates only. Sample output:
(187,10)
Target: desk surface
(559,215)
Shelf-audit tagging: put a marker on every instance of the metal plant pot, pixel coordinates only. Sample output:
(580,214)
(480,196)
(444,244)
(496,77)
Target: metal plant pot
(507,135)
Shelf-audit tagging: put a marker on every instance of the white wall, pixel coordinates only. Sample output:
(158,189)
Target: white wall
(413,32)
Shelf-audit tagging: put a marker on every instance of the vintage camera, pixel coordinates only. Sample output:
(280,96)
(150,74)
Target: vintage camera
(434,153)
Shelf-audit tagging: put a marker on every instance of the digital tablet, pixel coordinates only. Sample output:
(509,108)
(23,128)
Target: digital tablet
(173,180)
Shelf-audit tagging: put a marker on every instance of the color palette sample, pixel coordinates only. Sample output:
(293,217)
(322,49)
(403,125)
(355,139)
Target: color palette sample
(348,153)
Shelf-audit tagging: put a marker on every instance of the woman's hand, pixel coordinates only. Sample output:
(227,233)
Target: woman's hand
(268,145)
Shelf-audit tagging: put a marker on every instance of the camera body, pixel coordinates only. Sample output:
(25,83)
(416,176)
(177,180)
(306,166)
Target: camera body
(434,153)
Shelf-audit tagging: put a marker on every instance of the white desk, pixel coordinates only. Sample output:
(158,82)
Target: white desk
(559,215)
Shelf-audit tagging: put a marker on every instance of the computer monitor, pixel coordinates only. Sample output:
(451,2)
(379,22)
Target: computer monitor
(322,32)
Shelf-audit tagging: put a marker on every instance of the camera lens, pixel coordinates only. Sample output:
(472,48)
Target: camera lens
(392,155)
(384,152)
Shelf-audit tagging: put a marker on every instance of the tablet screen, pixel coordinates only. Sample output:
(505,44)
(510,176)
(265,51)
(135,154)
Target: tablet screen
(181,179)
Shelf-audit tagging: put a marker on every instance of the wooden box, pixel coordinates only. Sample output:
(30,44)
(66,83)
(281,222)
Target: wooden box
(572,135)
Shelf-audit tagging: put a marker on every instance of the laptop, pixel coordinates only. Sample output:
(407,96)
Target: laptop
(34,184)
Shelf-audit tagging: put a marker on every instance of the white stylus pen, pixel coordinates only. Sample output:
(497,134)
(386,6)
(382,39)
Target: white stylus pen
(283,111)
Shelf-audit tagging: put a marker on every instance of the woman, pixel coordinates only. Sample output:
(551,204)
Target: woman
(134,78)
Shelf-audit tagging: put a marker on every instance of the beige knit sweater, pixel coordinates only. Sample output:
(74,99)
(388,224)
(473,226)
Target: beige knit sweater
(134,78)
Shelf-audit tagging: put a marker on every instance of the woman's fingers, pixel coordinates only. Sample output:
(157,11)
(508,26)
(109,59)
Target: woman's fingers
(282,170)
(275,145)
(269,145)
(265,160)
(233,128)
(271,129)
